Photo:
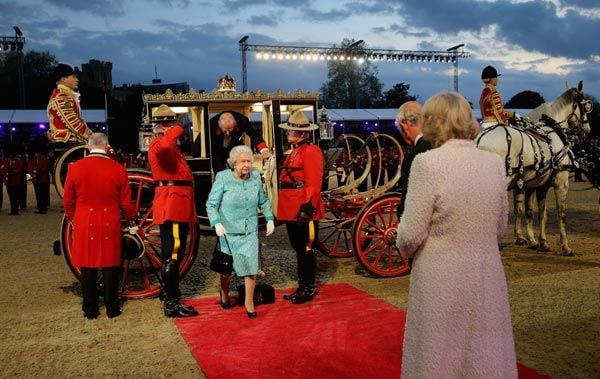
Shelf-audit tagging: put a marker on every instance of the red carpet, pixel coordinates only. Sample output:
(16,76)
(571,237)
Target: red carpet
(353,335)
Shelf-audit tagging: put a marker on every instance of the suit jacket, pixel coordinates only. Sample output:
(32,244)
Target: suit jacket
(171,203)
(66,120)
(305,165)
(420,147)
(220,153)
(95,190)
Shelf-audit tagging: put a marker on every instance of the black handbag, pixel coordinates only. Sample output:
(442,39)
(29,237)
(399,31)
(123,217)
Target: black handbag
(221,262)
(263,294)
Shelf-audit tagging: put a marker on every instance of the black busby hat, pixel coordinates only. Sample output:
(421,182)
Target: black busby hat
(489,72)
(63,70)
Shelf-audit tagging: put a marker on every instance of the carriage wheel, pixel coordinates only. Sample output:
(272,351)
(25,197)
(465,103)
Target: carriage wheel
(62,165)
(335,236)
(140,274)
(374,237)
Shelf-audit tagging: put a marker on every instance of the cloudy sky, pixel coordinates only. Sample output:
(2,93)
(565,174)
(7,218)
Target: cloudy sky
(537,45)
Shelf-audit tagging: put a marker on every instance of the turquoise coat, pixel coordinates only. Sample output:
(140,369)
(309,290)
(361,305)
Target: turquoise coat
(234,202)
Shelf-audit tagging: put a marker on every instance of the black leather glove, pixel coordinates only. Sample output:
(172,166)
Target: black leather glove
(306,212)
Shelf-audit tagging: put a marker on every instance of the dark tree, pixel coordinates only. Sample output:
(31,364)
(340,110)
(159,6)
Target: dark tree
(37,75)
(397,96)
(351,83)
(525,100)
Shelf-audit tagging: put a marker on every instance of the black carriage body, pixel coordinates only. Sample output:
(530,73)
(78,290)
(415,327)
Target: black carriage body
(198,108)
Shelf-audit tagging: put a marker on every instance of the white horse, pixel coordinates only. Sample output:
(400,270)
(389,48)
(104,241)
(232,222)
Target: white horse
(538,156)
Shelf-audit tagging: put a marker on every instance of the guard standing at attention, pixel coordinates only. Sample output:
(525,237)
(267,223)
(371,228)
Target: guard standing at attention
(39,167)
(299,204)
(173,206)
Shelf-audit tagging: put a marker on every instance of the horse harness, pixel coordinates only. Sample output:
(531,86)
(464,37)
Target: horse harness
(536,137)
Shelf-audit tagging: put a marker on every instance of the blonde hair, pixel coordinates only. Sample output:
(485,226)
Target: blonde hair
(448,115)
(235,152)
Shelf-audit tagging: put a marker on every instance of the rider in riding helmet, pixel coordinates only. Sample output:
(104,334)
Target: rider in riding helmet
(490,102)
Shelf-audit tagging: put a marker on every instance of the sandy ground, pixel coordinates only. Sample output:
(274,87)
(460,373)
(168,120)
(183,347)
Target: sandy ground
(555,302)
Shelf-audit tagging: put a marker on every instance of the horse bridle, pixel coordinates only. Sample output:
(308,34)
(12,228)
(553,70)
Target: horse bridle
(584,106)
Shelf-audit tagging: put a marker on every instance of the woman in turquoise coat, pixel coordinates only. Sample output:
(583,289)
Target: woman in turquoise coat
(232,206)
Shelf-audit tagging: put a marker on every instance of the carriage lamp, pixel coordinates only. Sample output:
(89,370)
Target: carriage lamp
(325,126)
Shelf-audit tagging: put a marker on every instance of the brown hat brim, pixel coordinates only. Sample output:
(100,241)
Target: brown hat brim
(301,128)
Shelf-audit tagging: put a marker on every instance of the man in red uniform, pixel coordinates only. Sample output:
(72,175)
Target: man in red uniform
(14,170)
(299,203)
(64,112)
(39,167)
(173,206)
(490,102)
(95,190)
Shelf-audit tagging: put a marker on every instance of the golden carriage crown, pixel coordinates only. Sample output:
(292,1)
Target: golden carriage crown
(226,84)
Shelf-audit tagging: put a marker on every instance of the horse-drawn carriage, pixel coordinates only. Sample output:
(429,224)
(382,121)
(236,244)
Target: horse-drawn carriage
(359,223)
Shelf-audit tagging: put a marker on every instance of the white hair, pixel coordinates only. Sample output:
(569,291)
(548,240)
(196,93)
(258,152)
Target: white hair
(235,152)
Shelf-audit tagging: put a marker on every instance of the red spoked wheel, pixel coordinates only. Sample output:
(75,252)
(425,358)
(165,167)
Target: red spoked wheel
(140,273)
(62,165)
(374,237)
(335,230)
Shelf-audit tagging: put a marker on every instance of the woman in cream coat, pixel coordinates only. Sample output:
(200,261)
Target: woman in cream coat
(458,323)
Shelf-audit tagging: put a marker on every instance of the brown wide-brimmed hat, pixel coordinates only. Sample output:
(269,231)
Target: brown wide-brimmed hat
(298,121)
(163,114)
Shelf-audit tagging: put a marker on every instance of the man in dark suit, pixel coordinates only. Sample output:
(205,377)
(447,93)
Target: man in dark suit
(408,121)
(227,130)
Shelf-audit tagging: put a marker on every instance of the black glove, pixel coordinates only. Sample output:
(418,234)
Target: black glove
(306,212)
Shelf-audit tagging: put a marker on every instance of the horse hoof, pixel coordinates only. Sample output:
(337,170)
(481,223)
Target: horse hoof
(535,246)
(568,254)
(544,248)
(521,241)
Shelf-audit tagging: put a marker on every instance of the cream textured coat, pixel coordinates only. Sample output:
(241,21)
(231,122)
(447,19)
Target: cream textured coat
(458,323)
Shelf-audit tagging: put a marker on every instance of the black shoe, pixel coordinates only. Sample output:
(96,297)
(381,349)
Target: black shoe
(175,309)
(114,313)
(251,314)
(91,315)
(291,296)
(224,304)
(306,295)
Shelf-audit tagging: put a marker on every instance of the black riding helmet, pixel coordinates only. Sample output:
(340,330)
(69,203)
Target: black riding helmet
(489,72)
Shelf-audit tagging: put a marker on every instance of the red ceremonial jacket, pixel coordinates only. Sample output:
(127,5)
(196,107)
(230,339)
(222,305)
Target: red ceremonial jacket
(305,165)
(39,168)
(13,171)
(491,106)
(167,163)
(95,190)
(64,113)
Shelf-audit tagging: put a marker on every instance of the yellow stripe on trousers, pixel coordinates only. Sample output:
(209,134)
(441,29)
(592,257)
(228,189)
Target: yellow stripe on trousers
(311,235)
(176,241)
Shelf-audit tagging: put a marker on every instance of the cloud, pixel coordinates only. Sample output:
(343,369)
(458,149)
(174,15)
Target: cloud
(105,8)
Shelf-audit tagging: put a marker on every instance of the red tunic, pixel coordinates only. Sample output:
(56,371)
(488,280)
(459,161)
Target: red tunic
(491,106)
(95,189)
(13,171)
(305,163)
(167,163)
(64,113)
(39,168)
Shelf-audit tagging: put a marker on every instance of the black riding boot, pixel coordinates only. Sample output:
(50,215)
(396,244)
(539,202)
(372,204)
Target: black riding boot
(296,292)
(172,307)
